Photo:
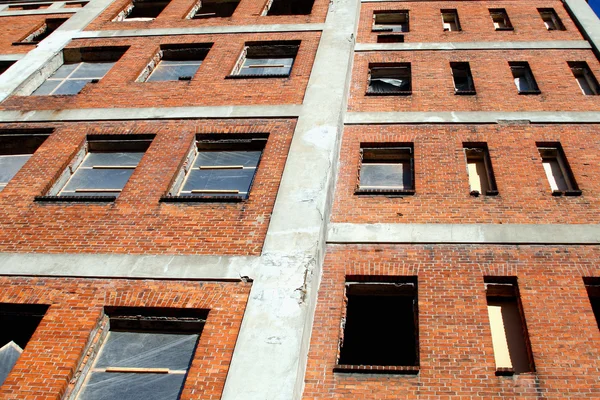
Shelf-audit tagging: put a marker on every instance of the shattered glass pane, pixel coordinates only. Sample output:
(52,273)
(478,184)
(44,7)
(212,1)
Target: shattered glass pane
(114,159)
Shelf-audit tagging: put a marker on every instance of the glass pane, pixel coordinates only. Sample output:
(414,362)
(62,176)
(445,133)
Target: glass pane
(147,350)
(64,70)
(123,386)
(96,179)
(46,88)
(383,85)
(71,87)
(220,158)
(9,354)
(112,159)
(172,72)
(219,179)
(92,70)
(269,61)
(285,70)
(10,165)
(386,175)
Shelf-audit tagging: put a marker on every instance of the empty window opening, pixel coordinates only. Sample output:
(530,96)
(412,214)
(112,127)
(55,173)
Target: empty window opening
(551,19)
(479,168)
(386,169)
(41,33)
(390,21)
(557,169)
(145,354)
(500,19)
(289,7)
(16,148)
(19,322)
(142,10)
(175,62)
(214,9)
(390,38)
(267,59)
(381,324)
(463,79)
(523,78)
(392,79)
(78,4)
(81,66)
(592,286)
(510,340)
(4,65)
(38,6)
(450,21)
(585,78)
(219,169)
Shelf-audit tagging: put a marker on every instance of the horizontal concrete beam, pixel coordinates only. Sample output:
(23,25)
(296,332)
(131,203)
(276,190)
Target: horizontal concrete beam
(128,266)
(471,117)
(11,57)
(543,45)
(465,233)
(200,30)
(44,11)
(128,114)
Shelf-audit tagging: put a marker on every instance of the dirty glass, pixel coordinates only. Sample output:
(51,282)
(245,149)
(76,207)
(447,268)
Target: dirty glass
(10,165)
(221,158)
(168,70)
(128,386)
(386,176)
(71,78)
(252,66)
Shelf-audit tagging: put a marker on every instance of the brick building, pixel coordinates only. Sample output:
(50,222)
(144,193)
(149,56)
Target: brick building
(250,199)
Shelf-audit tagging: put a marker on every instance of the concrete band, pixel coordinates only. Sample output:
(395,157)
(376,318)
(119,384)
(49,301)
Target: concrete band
(472,117)
(542,45)
(45,11)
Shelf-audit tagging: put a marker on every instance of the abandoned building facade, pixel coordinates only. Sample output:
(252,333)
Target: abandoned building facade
(299,199)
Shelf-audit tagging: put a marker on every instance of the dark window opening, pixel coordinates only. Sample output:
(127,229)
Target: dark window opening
(500,19)
(266,59)
(479,168)
(176,62)
(585,78)
(4,65)
(551,19)
(390,79)
(523,77)
(381,324)
(145,10)
(215,9)
(463,79)
(557,169)
(450,21)
(390,38)
(49,26)
(391,21)
(386,169)
(512,351)
(592,285)
(29,6)
(290,7)
(16,148)
(19,322)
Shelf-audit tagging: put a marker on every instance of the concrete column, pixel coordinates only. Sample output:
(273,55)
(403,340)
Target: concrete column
(586,19)
(270,357)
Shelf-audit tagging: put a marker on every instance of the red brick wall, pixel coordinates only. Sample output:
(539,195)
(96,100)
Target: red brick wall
(136,222)
(426,21)
(15,29)
(456,354)
(248,12)
(53,354)
(119,88)
(442,183)
(433,87)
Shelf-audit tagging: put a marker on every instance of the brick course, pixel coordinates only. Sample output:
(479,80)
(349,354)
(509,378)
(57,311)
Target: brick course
(442,183)
(136,222)
(456,354)
(53,354)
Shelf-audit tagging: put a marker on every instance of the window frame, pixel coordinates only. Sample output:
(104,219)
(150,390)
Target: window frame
(481,151)
(169,52)
(450,13)
(554,151)
(405,154)
(266,51)
(123,15)
(390,71)
(553,16)
(196,11)
(396,27)
(463,67)
(496,13)
(522,70)
(581,70)
(269,5)
(41,32)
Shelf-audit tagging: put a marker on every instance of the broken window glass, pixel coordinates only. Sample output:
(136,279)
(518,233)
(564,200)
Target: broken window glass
(268,60)
(390,21)
(390,79)
(178,62)
(386,169)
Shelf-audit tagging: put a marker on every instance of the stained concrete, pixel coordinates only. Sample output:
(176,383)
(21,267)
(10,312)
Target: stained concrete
(542,45)
(471,117)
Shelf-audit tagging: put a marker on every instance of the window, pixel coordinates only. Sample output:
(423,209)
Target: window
(551,20)
(41,33)
(380,326)
(145,354)
(391,38)
(4,65)
(523,77)
(479,168)
(390,21)
(510,340)
(16,148)
(101,169)
(218,169)
(390,79)
(557,170)
(463,79)
(175,62)
(500,19)
(585,79)
(213,9)
(266,59)
(386,169)
(142,10)
(592,286)
(450,21)
(81,66)
(23,320)
(288,7)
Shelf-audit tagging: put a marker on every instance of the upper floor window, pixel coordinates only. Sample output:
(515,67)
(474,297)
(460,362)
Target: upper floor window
(557,169)
(450,21)
(142,10)
(390,21)
(175,62)
(288,7)
(386,169)
(392,79)
(81,66)
(266,59)
(585,78)
(479,168)
(500,19)
(463,79)
(523,77)
(551,19)
(16,148)
(42,32)
(213,9)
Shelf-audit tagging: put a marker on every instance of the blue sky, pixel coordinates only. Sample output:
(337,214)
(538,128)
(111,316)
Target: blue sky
(595,4)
